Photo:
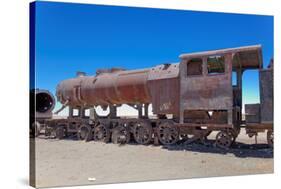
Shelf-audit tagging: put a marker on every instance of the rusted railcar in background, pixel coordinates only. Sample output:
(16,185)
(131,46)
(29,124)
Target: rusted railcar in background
(259,117)
(189,99)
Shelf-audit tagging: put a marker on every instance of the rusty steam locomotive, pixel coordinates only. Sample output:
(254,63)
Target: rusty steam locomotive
(189,99)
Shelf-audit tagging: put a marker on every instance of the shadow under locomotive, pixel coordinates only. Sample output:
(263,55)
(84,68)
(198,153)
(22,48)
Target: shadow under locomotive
(238,149)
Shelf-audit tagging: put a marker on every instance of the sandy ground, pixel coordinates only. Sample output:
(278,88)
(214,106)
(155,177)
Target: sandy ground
(71,162)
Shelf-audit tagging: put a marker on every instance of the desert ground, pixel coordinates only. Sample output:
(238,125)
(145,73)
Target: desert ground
(71,162)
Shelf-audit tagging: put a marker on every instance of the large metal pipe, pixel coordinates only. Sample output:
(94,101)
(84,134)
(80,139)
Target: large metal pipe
(45,101)
(113,86)
(42,103)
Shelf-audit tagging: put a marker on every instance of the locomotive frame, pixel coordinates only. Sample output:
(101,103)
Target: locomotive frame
(189,100)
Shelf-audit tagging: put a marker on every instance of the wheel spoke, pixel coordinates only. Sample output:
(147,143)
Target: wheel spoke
(85,133)
(224,139)
(168,133)
(142,132)
(101,133)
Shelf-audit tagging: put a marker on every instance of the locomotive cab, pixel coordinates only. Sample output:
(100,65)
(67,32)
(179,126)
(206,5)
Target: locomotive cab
(207,95)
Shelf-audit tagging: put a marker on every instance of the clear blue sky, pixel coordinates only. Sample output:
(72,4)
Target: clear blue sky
(72,37)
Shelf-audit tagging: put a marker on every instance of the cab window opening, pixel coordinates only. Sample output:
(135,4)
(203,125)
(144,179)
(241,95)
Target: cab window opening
(216,64)
(194,67)
(234,78)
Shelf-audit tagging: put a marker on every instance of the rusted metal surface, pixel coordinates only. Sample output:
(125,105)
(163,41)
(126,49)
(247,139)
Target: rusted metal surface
(116,87)
(250,56)
(207,90)
(259,126)
(125,87)
(266,95)
(259,117)
(167,133)
(214,126)
(166,86)
(193,97)
(142,132)
(252,112)
(44,103)
(163,85)
(270,138)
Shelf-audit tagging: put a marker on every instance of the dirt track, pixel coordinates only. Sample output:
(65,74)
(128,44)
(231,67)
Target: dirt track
(70,162)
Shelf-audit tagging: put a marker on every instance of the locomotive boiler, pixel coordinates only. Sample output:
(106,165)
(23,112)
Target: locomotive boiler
(118,86)
(189,99)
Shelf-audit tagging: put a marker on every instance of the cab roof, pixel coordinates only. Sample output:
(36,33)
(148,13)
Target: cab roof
(246,57)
